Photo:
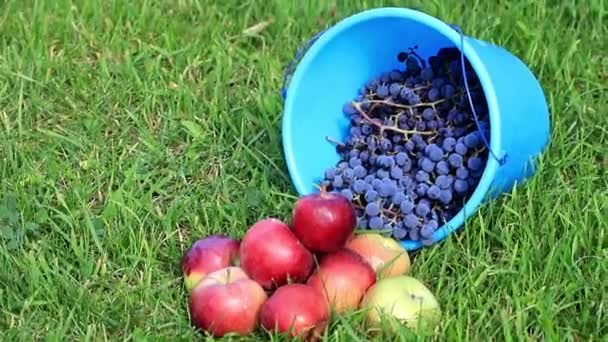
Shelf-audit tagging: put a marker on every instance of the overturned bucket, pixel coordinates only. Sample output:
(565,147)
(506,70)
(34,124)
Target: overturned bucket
(339,61)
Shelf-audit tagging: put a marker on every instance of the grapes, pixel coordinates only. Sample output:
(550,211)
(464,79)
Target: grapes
(462,172)
(433,192)
(434,152)
(330,174)
(410,221)
(394,89)
(406,169)
(422,176)
(442,168)
(372,209)
(427,165)
(474,163)
(359,186)
(347,193)
(455,160)
(471,140)
(422,209)
(461,149)
(382,91)
(448,144)
(428,114)
(370,195)
(359,171)
(375,222)
(461,186)
(398,198)
(396,173)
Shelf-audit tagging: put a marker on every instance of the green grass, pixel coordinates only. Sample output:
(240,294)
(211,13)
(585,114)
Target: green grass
(128,129)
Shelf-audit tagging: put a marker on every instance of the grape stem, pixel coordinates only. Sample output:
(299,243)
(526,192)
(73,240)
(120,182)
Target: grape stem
(357,106)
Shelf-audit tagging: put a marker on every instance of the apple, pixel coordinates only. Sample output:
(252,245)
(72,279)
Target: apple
(227,301)
(272,255)
(323,221)
(207,255)
(342,277)
(386,256)
(296,309)
(401,299)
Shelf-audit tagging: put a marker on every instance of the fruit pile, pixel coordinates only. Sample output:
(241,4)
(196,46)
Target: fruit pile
(290,278)
(414,152)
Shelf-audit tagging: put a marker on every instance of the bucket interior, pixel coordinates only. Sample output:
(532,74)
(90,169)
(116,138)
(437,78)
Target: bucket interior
(332,73)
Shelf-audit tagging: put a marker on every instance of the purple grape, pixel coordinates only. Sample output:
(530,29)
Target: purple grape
(407,206)
(382,91)
(399,233)
(474,163)
(427,165)
(349,108)
(422,209)
(398,198)
(455,160)
(401,158)
(427,230)
(434,94)
(338,182)
(422,176)
(421,189)
(443,182)
(445,196)
(462,172)
(442,168)
(461,149)
(461,186)
(369,178)
(354,161)
(434,152)
(347,193)
(405,181)
(381,173)
(372,209)
(385,144)
(396,172)
(371,195)
(472,140)
(394,89)
(426,74)
(448,90)
(433,192)
(359,186)
(364,156)
(410,221)
(448,144)
(428,114)
(375,222)
(330,174)
(414,233)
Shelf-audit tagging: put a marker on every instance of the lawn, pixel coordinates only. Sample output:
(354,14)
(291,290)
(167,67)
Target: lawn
(128,129)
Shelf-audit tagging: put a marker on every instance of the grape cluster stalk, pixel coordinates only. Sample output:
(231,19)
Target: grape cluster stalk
(414,153)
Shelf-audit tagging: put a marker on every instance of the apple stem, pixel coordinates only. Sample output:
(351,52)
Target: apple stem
(228,276)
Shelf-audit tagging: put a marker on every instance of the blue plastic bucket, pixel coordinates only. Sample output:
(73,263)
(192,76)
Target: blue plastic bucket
(342,59)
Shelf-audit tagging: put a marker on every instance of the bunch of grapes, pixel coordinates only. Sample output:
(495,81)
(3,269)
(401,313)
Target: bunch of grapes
(414,153)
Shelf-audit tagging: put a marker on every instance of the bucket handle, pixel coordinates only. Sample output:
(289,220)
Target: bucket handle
(501,160)
(304,48)
(291,66)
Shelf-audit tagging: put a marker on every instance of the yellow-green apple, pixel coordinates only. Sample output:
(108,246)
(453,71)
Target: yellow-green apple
(272,255)
(207,255)
(225,302)
(385,255)
(323,221)
(297,310)
(342,277)
(401,299)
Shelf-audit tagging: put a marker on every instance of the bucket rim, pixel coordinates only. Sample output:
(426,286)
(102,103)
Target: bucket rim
(477,197)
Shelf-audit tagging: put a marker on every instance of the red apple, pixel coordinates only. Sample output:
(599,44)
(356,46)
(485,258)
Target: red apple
(386,256)
(323,221)
(273,256)
(342,277)
(227,302)
(296,309)
(207,255)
